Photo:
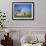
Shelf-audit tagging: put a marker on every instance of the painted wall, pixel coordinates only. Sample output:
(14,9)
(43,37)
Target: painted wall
(25,26)
(39,14)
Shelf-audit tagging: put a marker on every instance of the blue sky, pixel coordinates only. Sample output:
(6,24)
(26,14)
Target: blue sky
(23,7)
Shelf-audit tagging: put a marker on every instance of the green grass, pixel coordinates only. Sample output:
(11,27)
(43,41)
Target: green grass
(24,14)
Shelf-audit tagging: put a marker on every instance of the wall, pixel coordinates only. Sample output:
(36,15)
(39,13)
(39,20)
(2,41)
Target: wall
(39,14)
(25,26)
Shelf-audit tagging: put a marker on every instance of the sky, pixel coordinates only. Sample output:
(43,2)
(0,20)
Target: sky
(23,7)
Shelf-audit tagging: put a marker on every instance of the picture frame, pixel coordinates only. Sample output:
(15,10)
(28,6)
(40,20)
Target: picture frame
(23,10)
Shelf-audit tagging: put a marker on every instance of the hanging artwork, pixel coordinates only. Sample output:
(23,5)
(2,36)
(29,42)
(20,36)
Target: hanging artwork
(23,10)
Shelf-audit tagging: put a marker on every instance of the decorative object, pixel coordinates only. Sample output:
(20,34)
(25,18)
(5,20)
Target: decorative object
(23,10)
(8,40)
(2,18)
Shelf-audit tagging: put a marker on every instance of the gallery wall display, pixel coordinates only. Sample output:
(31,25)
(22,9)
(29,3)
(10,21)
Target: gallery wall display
(23,10)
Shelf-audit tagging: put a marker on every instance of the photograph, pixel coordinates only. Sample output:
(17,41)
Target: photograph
(22,10)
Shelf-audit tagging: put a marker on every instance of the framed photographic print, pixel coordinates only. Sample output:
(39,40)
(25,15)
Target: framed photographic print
(22,10)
